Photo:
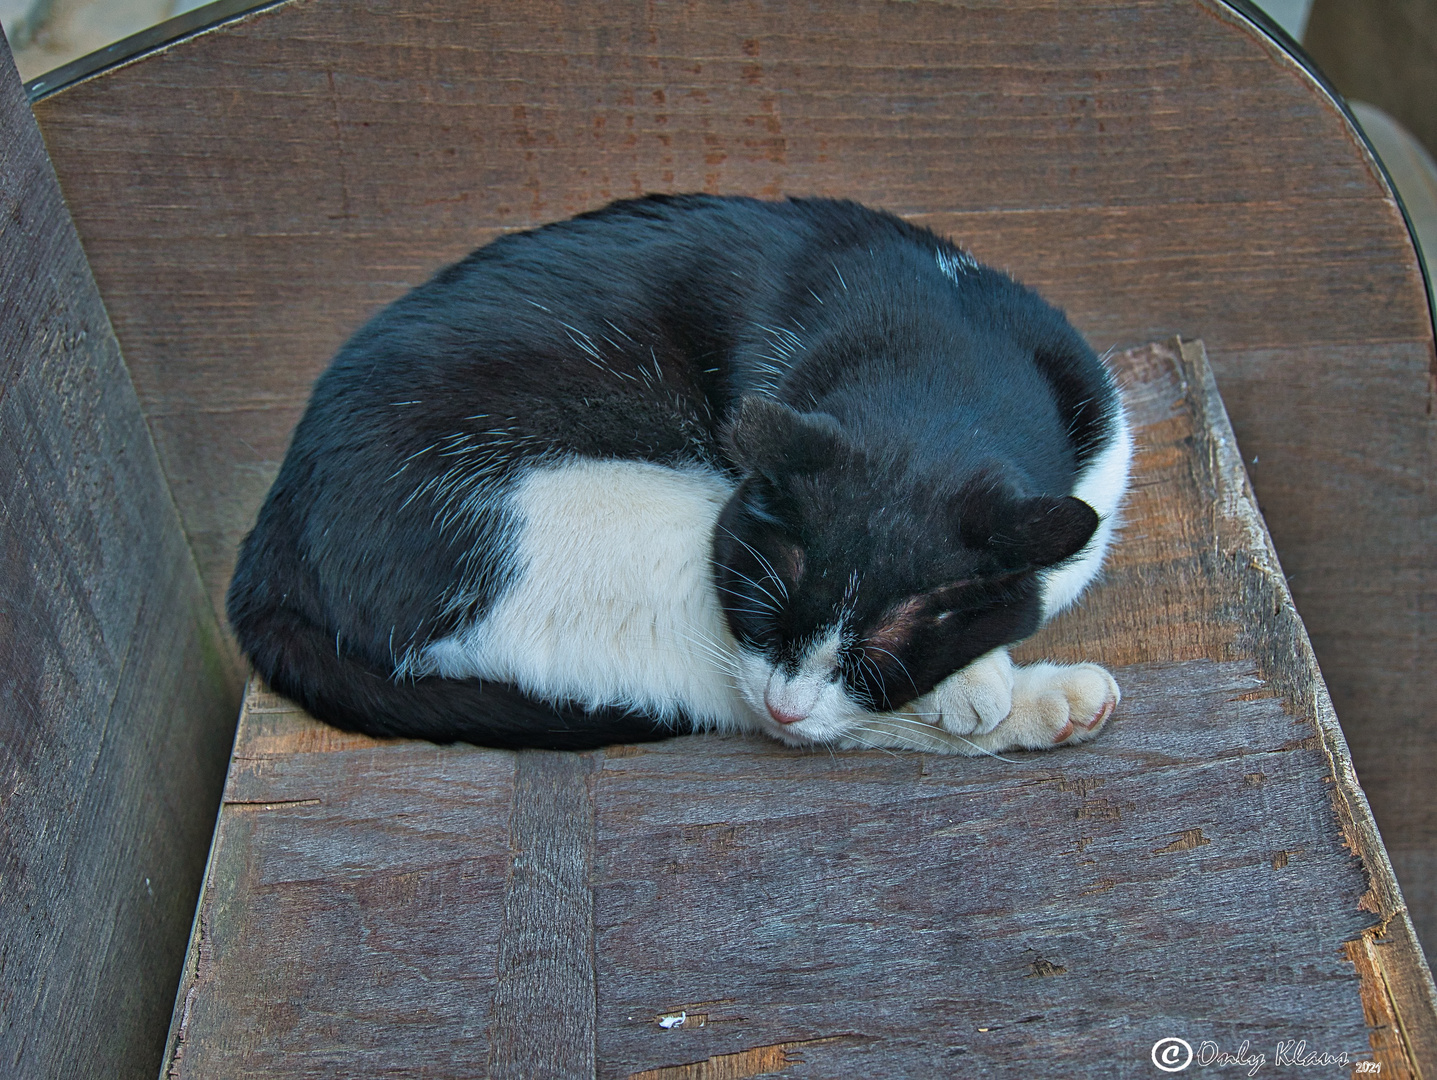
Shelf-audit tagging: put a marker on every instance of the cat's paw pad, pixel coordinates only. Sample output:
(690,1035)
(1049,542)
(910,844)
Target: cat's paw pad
(1069,704)
(1087,727)
(976,699)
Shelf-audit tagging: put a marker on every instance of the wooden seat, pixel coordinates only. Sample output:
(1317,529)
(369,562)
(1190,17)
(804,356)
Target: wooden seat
(392,906)
(248,194)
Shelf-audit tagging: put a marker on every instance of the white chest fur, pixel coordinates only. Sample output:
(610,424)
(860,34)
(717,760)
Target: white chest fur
(613,602)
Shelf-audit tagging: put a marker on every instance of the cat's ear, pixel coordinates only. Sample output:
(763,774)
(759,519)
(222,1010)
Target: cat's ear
(766,436)
(1028,534)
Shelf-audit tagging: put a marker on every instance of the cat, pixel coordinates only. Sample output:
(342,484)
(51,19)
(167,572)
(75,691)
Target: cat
(695,463)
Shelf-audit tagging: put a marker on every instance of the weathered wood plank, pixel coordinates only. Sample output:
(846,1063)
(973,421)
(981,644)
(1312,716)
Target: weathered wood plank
(1206,869)
(351,924)
(251,194)
(1051,917)
(117,690)
(546,961)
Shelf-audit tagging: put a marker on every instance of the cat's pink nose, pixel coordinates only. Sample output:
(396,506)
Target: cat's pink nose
(781,714)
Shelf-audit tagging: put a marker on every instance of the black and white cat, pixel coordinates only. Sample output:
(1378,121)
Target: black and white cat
(691,463)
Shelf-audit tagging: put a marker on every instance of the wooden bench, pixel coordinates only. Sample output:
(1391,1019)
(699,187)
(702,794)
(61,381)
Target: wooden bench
(248,191)
(378,907)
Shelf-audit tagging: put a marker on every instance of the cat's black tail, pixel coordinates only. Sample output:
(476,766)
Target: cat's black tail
(300,661)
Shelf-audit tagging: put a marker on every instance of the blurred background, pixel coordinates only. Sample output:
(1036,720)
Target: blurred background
(1382,56)
(47,33)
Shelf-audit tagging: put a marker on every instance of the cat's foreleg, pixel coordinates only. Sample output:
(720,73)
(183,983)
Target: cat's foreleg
(974,700)
(992,706)
(1053,705)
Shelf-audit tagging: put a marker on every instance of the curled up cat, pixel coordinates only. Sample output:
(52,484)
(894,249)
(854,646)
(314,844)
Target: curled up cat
(695,463)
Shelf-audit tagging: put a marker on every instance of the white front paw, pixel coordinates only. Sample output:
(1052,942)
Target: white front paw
(974,700)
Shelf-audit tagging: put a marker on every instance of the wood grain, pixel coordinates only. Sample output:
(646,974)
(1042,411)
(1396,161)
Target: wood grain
(546,963)
(117,690)
(248,196)
(1208,868)
(351,922)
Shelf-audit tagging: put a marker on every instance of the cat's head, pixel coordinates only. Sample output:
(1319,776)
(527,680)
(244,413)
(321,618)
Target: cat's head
(854,585)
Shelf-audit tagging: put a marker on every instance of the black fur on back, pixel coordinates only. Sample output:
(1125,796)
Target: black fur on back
(930,396)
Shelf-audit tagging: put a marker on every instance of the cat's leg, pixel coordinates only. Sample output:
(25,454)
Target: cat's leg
(1053,705)
(974,700)
(1046,705)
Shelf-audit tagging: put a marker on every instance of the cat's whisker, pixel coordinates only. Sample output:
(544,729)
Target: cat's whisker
(934,731)
(731,672)
(771,608)
(906,718)
(856,735)
(990,753)
(865,662)
(707,639)
(767,566)
(756,613)
(727,662)
(777,603)
(914,712)
(897,661)
(761,616)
